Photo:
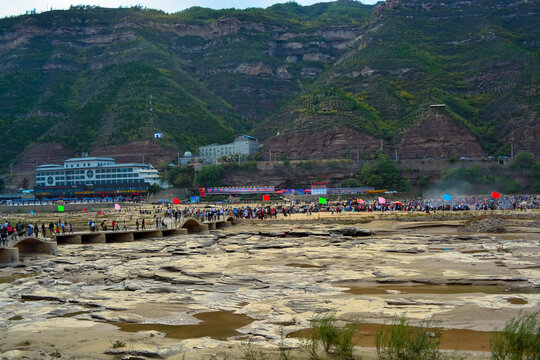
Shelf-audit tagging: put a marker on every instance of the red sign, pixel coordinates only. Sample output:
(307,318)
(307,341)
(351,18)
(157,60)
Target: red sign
(266,197)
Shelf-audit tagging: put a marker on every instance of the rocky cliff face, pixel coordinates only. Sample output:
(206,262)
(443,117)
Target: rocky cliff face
(333,143)
(439,136)
(329,78)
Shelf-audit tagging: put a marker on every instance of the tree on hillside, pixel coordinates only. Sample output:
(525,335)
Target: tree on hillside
(384,175)
(180,177)
(523,160)
(209,176)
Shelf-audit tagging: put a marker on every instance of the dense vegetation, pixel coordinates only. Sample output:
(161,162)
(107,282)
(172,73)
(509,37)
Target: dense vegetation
(476,179)
(480,60)
(90,76)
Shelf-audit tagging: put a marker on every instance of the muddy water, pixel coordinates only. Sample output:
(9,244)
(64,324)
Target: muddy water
(12,278)
(517,301)
(451,339)
(436,289)
(303,265)
(218,325)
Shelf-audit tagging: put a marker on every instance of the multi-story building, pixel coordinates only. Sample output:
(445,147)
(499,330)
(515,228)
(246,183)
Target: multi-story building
(242,145)
(94,177)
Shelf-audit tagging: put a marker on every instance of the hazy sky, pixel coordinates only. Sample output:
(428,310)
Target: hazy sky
(17,7)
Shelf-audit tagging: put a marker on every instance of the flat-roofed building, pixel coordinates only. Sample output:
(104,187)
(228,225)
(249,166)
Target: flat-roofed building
(242,145)
(94,176)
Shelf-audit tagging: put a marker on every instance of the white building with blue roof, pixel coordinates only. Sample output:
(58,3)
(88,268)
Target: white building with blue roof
(94,176)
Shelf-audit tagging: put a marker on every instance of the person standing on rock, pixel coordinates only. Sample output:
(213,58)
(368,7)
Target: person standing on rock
(137,224)
(143,224)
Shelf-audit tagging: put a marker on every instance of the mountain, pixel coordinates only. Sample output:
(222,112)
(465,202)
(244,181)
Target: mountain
(330,79)
(480,58)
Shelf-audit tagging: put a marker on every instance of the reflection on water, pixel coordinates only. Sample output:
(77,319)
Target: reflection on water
(516,301)
(451,339)
(218,325)
(12,278)
(438,289)
(303,265)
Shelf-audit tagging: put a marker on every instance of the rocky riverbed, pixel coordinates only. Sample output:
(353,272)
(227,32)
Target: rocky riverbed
(205,294)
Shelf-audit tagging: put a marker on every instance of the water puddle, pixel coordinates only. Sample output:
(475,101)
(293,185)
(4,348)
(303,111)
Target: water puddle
(451,339)
(516,301)
(303,265)
(218,325)
(474,251)
(12,278)
(73,314)
(437,289)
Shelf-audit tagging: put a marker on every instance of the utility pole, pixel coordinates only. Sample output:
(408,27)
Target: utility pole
(395,150)
(357,155)
(143,159)
(270,155)
(512,151)
(11,168)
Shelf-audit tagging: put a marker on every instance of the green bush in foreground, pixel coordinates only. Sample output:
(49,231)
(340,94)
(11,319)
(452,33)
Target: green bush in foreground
(519,340)
(333,338)
(402,341)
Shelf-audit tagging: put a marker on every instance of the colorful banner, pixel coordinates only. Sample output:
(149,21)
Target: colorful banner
(355,190)
(360,201)
(194,199)
(240,190)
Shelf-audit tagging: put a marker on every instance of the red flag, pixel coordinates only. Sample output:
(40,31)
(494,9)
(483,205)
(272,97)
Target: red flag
(266,197)
(83,209)
(495,195)
(176,201)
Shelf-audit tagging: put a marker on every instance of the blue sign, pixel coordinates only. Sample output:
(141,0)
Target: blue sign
(194,199)
(446,197)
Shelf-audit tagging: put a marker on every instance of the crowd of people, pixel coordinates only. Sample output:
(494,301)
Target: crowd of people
(170,215)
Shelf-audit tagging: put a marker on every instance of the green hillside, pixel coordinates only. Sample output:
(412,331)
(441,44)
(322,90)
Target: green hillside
(481,60)
(84,77)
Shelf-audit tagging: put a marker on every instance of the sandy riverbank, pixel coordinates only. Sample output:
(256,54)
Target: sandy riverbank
(250,280)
